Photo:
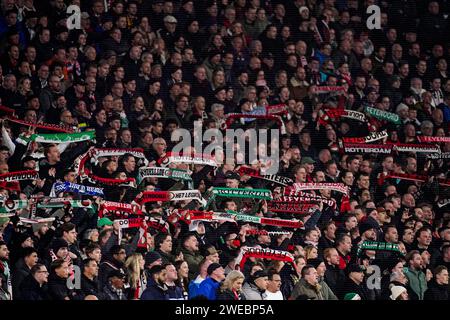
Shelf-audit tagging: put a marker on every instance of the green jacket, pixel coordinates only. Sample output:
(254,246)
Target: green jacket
(193,260)
(417,282)
(321,292)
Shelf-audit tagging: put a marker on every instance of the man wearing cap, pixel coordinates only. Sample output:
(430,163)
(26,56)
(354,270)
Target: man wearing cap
(156,286)
(354,282)
(152,258)
(115,288)
(255,288)
(212,254)
(117,255)
(308,163)
(208,288)
(169,31)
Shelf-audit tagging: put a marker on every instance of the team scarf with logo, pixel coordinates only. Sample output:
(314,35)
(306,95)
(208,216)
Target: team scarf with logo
(433,139)
(117,152)
(167,173)
(256,232)
(20,175)
(402,176)
(263,253)
(92,178)
(383,115)
(261,194)
(443,202)
(306,197)
(231,216)
(59,187)
(35,221)
(338,187)
(290,207)
(164,196)
(46,126)
(364,148)
(118,209)
(199,159)
(375,136)
(438,156)
(336,114)
(378,246)
(133,223)
(410,147)
(327,89)
(60,137)
(13,205)
(284,181)
(278,109)
(231,117)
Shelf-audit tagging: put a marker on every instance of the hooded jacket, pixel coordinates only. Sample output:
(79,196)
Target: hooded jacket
(252,292)
(320,292)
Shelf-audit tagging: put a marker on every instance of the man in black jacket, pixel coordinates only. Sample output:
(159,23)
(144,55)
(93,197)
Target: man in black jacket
(115,262)
(23,269)
(438,286)
(354,282)
(89,282)
(34,287)
(333,275)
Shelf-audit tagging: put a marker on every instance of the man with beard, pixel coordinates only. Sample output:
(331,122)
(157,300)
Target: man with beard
(416,277)
(191,253)
(156,287)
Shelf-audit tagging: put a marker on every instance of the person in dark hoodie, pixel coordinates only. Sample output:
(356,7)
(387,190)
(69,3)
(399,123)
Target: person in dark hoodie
(23,269)
(163,245)
(438,286)
(156,287)
(33,287)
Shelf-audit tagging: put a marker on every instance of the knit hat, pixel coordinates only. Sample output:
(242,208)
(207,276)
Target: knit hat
(314,262)
(367,224)
(151,257)
(259,274)
(352,296)
(58,244)
(212,267)
(396,292)
(104,222)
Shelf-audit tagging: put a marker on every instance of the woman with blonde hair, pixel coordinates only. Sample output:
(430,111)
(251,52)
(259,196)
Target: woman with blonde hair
(311,252)
(232,286)
(136,275)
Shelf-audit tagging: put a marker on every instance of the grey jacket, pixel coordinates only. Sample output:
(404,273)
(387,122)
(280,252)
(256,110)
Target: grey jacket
(251,292)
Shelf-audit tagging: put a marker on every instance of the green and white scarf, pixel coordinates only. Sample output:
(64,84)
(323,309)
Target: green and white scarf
(60,137)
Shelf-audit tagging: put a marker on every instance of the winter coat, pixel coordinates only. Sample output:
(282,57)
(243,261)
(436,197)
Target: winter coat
(32,291)
(193,260)
(334,277)
(57,288)
(175,293)
(110,294)
(20,273)
(436,291)
(252,292)
(229,295)
(350,286)
(208,288)
(320,292)
(105,268)
(155,292)
(417,282)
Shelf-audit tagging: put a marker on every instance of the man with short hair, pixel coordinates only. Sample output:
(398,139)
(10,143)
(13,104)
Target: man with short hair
(334,276)
(255,288)
(309,286)
(416,277)
(208,288)
(156,284)
(191,253)
(438,286)
(33,288)
(273,291)
(89,282)
(175,292)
